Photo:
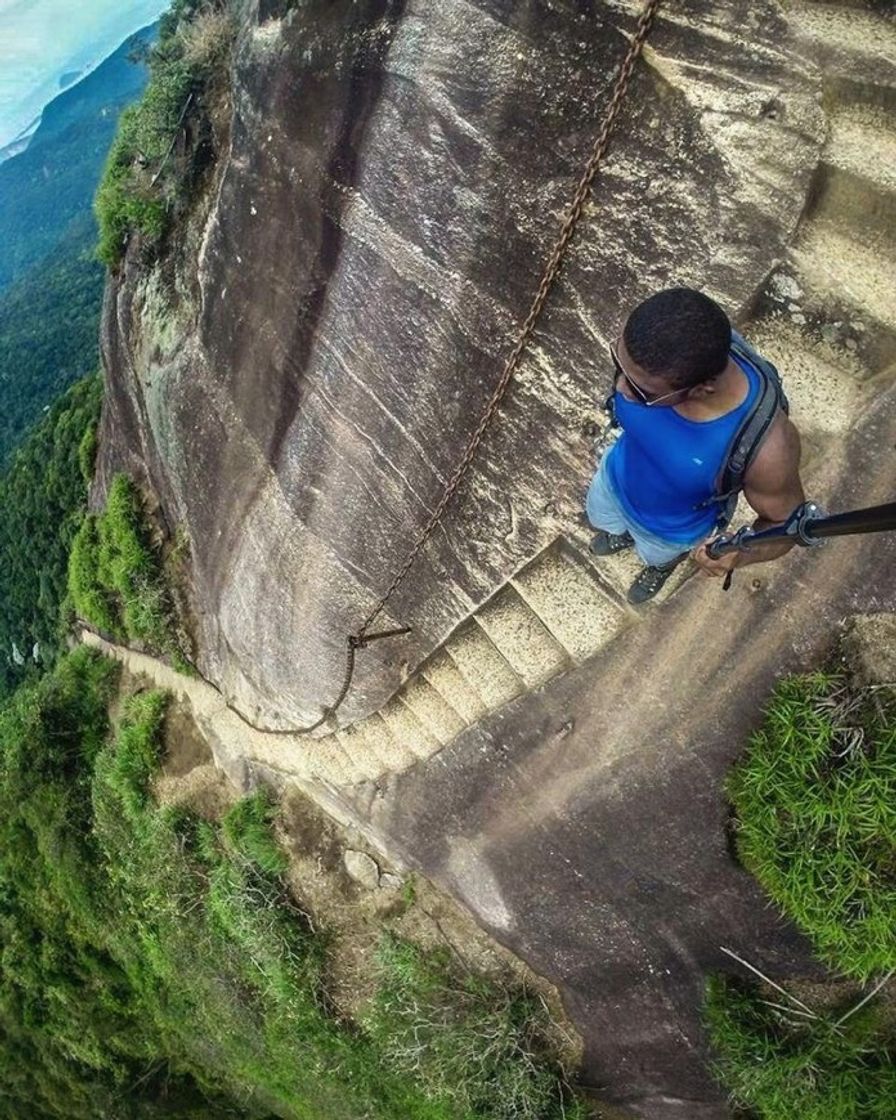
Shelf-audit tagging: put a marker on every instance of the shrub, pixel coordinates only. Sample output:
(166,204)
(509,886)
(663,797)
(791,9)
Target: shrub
(247,828)
(141,185)
(125,772)
(87,450)
(43,499)
(89,598)
(125,200)
(472,1040)
(115,576)
(816,817)
(206,40)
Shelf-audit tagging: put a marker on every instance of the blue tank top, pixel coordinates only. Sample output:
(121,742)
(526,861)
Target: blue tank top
(664,465)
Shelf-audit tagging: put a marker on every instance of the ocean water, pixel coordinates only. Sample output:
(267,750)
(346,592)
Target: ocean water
(40,40)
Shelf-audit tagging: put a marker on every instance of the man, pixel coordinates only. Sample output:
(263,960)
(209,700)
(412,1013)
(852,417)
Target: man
(680,394)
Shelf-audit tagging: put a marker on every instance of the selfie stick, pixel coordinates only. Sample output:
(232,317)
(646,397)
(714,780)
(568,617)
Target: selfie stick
(809,525)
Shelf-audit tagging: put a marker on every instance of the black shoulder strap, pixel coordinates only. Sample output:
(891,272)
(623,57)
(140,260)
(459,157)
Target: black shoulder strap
(752,430)
(748,437)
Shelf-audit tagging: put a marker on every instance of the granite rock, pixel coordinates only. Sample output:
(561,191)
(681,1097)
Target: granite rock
(362,868)
(296,379)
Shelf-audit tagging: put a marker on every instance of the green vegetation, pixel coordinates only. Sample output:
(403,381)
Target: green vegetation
(51,284)
(43,498)
(247,830)
(49,325)
(154,964)
(816,817)
(786,1066)
(463,1038)
(115,576)
(143,187)
(816,823)
(72,1033)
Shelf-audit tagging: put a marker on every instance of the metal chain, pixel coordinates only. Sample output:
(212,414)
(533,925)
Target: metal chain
(547,282)
(552,270)
(354,642)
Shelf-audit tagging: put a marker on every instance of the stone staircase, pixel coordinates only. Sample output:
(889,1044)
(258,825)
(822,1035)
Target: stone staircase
(826,317)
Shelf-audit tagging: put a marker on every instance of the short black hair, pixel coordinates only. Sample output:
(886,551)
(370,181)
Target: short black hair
(679,334)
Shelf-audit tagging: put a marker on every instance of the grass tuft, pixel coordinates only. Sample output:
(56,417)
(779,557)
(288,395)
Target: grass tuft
(816,817)
(815,798)
(471,1040)
(247,829)
(787,1067)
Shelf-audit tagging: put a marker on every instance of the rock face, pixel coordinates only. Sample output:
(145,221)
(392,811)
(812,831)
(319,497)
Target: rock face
(298,379)
(870,649)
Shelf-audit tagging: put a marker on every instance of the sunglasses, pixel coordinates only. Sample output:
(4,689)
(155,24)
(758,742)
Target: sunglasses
(641,395)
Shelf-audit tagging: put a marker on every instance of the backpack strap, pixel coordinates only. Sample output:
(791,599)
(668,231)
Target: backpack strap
(750,433)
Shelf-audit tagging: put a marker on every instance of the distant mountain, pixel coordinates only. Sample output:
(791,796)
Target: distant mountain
(51,285)
(65,80)
(19,143)
(52,182)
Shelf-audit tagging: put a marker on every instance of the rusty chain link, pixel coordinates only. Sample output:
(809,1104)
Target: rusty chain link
(552,270)
(354,642)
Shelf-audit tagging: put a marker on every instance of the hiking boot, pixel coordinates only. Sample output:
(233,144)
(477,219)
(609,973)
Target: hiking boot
(608,544)
(650,580)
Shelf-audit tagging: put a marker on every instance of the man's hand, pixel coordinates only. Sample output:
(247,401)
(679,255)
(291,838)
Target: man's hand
(710,567)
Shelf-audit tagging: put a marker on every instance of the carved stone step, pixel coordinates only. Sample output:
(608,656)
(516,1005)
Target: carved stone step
(330,761)
(863,346)
(824,396)
(483,667)
(357,747)
(567,598)
(373,745)
(530,650)
(846,40)
(863,274)
(411,737)
(357,771)
(432,710)
(859,164)
(860,89)
(445,677)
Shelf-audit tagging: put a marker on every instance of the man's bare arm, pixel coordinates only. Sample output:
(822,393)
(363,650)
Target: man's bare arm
(773,488)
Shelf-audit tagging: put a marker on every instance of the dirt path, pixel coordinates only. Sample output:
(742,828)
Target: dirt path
(235,742)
